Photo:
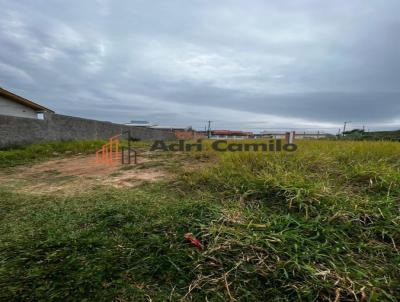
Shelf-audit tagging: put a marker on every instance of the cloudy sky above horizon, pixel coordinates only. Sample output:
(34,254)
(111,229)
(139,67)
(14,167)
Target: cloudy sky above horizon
(251,65)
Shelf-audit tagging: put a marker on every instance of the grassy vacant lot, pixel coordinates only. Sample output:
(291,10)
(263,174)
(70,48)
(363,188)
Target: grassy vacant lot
(322,223)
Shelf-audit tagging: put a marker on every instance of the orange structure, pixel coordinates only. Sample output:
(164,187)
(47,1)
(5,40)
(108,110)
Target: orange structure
(109,153)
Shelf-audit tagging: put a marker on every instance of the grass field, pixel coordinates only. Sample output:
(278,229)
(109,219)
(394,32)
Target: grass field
(319,224)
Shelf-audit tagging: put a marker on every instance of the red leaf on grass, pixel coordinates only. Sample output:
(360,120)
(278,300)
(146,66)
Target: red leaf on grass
(194,241)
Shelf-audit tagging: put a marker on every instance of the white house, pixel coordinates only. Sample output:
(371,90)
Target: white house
(14,105)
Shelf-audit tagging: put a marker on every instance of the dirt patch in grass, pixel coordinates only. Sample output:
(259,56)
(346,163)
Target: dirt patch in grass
(76,174)
(77,166)
(136,177)
(81,173)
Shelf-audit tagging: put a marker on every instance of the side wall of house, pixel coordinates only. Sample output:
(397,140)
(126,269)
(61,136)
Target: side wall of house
(55,127)
(8,107)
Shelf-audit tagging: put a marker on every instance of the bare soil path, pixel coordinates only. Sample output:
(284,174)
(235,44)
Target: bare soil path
(81,173)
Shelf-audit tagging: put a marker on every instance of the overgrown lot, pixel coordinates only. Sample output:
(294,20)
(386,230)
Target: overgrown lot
(318,224)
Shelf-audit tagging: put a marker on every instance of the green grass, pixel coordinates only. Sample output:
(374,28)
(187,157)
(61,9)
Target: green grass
(99,247)
(39,152)
(317,225)
(331,211)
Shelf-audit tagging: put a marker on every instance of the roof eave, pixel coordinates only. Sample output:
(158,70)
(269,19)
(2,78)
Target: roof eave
(18,99)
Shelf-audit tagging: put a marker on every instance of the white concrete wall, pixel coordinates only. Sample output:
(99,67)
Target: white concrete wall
(8,107)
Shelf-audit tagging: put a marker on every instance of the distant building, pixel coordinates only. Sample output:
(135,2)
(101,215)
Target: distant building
(189,134)
(230,134)
(140,124)
(272,134)
(15,105)
(311,135)
(182,132)
(296,134)
(166,127)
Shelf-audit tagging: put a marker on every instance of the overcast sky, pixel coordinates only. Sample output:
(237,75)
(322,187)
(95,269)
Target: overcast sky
(242,64)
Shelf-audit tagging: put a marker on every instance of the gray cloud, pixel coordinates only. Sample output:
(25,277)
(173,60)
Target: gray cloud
(247,65)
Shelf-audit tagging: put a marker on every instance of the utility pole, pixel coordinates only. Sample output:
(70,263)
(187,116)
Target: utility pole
(209,129)
(344,126)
